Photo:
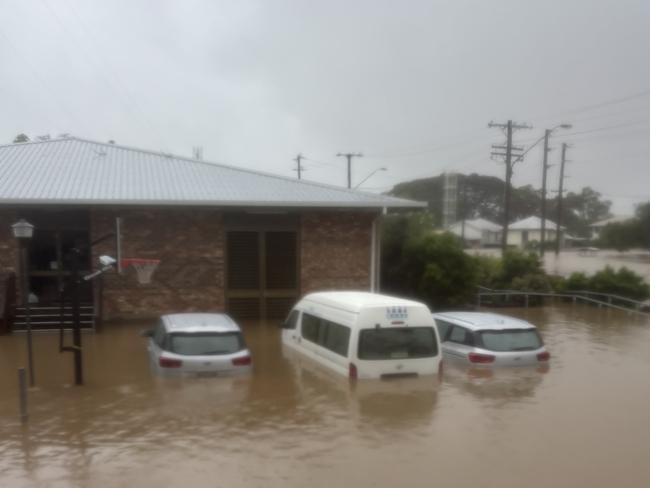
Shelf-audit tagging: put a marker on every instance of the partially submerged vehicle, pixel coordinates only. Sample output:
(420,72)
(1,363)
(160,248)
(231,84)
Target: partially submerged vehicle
(364,335)
(198,344)
(488,339)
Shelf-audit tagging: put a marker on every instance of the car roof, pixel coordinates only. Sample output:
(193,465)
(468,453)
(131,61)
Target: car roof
(484,320)
(199,322)
(355,301)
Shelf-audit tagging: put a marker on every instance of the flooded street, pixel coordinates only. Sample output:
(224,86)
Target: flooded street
(573,261)
(583,422)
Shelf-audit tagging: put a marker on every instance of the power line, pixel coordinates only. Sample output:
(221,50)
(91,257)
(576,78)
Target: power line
(46,86)
(114,83)
(320,162)
(613,101)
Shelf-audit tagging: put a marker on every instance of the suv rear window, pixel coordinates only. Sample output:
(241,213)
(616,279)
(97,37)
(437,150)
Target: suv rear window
(510,340)
(205,343)
(397,343)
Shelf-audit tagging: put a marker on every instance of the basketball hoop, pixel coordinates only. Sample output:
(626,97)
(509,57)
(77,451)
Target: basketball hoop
(144,268)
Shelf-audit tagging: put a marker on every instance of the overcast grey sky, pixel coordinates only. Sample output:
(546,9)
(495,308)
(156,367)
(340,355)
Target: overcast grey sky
(411,84)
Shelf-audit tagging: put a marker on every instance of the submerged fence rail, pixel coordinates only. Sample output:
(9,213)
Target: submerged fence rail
(575,296)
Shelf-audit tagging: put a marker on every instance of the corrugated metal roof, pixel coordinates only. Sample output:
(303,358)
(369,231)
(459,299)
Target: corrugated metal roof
(78,171)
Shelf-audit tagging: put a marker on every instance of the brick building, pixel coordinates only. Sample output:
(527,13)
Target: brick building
(228,239)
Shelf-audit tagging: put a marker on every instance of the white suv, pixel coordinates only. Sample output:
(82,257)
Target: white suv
(200,344)
(488,339)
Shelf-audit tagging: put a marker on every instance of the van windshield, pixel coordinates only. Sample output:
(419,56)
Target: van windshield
(397,343)
(510,340)
(205,343)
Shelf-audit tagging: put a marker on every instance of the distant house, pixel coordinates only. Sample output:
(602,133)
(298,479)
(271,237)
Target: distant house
(597,227)
(528,230)
(478,232)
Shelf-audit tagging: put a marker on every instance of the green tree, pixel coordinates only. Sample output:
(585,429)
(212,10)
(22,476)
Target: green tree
(21,138)
(416,262)
(577,282)
(620,235)
(448,276)
(643,225)
(623,282)
(517,264)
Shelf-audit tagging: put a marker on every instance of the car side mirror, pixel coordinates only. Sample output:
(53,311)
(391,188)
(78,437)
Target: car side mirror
(146,333)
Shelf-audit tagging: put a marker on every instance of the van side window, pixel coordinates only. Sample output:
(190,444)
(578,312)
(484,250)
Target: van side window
(310,327)
(461,335)
(292,320)
(330,335)
(337,338)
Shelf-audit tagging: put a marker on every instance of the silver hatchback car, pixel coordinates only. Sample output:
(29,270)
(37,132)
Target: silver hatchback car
(486,339)
(198,344)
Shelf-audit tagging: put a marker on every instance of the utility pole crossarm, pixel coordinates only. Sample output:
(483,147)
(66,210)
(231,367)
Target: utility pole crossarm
(508,127)
(349,157)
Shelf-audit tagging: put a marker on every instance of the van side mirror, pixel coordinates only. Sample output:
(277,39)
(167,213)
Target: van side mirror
(146,333)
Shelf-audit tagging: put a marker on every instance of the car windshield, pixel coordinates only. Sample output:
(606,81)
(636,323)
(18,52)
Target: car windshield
(205,343)
(510,340)
(398,343)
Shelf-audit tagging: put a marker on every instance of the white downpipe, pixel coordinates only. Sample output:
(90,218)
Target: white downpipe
(373,256)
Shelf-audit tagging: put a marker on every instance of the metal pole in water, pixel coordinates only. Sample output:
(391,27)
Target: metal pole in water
(22,386)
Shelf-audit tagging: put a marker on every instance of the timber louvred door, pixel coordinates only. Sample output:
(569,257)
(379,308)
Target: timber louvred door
(243,250)
(262,273)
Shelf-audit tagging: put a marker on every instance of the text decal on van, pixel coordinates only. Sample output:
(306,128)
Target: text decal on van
(393,313)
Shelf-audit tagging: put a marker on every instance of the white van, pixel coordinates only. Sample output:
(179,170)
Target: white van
(364,335)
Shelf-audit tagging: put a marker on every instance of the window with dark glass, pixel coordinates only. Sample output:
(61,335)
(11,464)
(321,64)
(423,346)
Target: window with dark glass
(510,340)
(292,320)
(461,335)
(330,335)
(397,343)
(443,329)
(310,327)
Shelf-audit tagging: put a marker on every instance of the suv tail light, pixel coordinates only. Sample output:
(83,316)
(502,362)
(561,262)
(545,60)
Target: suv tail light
(544,356)
(242,361)
(352,371)
(169,362)
(477,357)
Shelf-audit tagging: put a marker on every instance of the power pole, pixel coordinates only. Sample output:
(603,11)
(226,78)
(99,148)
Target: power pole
(349,157)
(464,209)
(542,233)
(558,224)
(299,167)
(510,151)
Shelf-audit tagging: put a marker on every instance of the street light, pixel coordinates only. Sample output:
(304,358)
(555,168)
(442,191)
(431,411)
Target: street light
(23,231)
(369,176)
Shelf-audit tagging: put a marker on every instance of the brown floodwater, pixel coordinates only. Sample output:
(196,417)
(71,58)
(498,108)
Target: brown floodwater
(583,422)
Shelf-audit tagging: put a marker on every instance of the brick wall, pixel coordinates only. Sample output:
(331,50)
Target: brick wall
(334,254)
(189,243)
(335,251)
